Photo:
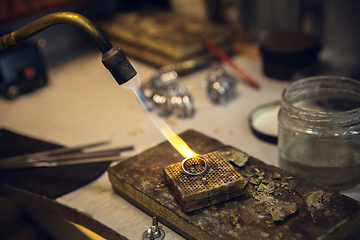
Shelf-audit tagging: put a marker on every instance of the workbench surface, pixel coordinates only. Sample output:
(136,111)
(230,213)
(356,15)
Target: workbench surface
(84,104)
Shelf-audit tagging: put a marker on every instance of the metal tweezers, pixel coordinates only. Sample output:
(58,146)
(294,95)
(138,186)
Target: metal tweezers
(64,156)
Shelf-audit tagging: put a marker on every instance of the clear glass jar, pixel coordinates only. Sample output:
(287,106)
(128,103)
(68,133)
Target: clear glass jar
(319,131)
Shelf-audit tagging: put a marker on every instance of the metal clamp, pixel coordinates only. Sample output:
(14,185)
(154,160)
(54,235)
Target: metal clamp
(154,232)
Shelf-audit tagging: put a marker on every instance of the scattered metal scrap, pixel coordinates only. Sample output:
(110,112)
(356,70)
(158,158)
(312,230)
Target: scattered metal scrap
(236,157)
(263,187)
(316,200)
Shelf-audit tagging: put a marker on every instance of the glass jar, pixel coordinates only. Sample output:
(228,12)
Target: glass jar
(319,131)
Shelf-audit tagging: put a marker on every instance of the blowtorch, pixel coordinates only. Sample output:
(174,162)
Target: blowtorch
(113,58)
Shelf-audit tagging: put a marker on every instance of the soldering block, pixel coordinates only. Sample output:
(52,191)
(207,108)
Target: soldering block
(275,205)
(219,183)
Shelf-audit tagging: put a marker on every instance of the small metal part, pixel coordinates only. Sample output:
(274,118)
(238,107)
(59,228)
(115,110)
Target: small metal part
(157,100)
(165,79)
(148,91)
(194,166)
(155,232)
(276,176)
(182,102)
(221,86)
(156,92)
(161,104)
(166,97)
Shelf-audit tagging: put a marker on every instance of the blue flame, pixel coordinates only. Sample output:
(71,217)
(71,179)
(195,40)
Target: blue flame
(173,138)
(134,84)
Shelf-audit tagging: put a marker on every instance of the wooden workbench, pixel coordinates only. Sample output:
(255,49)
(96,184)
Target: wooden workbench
(83,104)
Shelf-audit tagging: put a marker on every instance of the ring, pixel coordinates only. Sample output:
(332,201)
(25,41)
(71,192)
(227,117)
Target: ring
(194,166)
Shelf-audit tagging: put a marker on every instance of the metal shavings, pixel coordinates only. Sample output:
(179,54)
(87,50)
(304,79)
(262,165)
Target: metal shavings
(311,214)
(160,185)
(269,222)
(265,184)
(279,210)
(254,181)
(258,173)
(236,157)
(316,200)
(276,176)
(271,187)
(267,188)
(231,215)
(235,222)
(261,188)
(266,181)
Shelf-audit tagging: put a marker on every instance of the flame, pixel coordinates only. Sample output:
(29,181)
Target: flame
(177,142)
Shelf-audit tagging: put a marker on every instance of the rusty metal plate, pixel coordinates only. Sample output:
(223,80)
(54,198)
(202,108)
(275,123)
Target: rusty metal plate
(195,192)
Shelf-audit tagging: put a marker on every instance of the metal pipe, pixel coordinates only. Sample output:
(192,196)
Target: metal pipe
(113,57)
(14,39)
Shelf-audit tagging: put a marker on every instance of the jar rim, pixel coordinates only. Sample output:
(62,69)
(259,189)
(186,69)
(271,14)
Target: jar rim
(317,115)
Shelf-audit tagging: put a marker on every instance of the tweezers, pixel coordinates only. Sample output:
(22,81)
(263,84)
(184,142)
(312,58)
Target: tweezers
(64,156)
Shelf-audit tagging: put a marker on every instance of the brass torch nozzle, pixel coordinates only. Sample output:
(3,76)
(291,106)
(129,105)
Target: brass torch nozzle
(113,57)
